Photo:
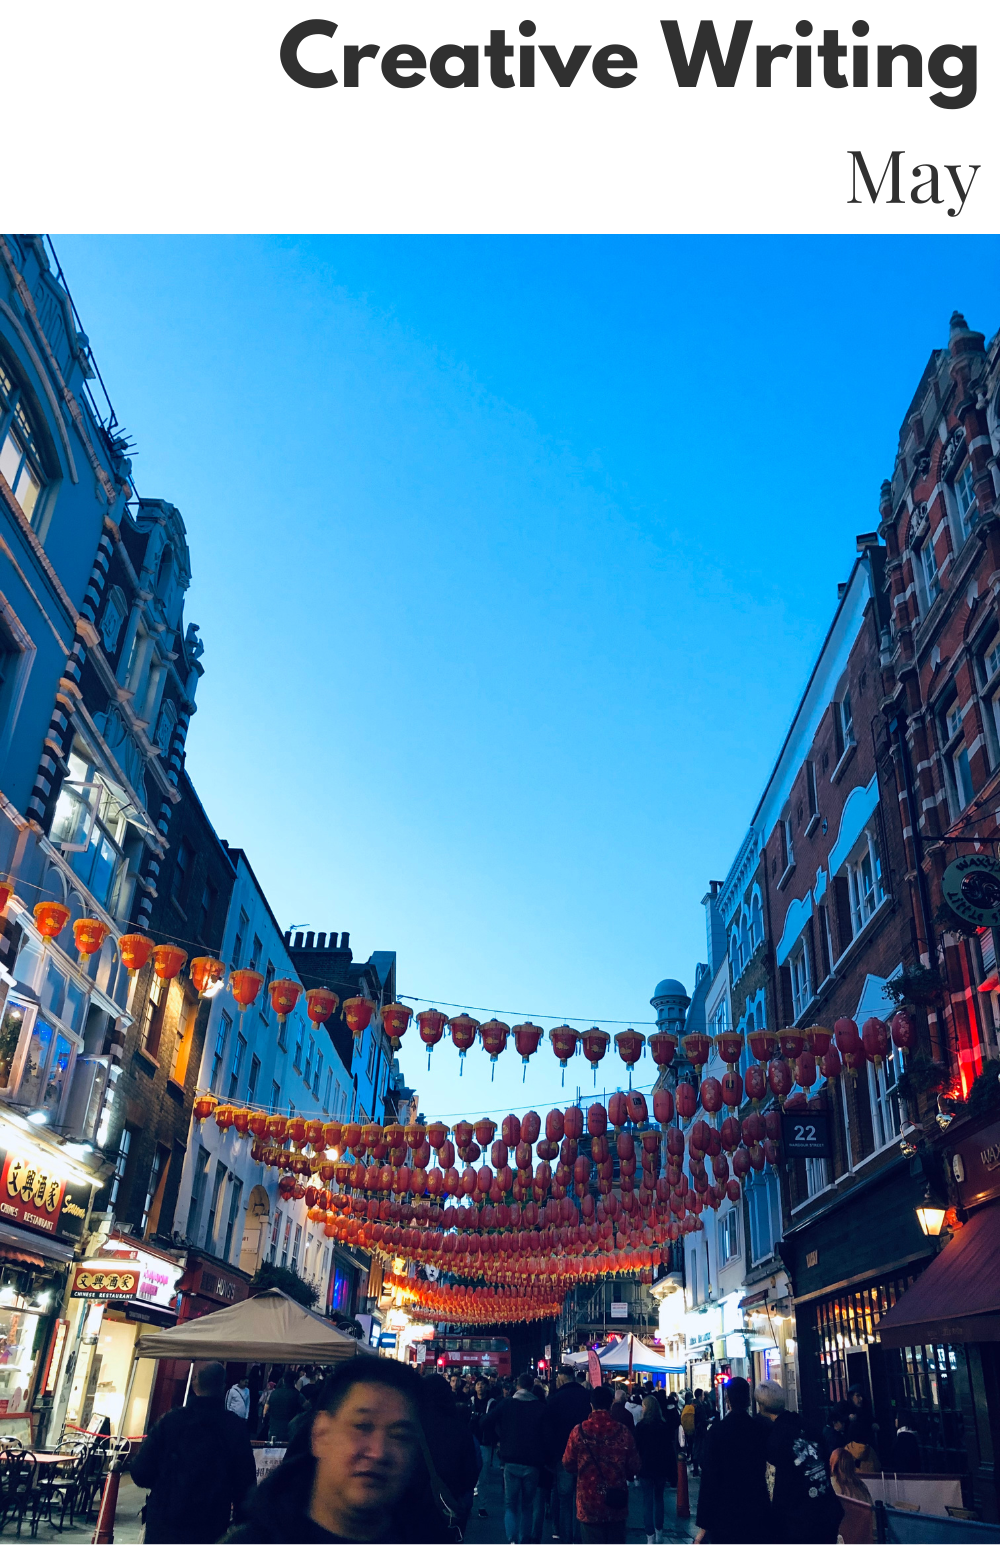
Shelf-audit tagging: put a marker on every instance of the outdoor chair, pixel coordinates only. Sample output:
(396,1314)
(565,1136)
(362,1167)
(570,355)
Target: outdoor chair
(59,1485)
(18,1474)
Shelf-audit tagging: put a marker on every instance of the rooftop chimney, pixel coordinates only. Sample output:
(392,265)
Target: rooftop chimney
(321,941)
(298,941)
(345,941)
(310,940)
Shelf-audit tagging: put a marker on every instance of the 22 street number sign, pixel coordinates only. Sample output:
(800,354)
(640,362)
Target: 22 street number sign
(806,1134)
(31,1195)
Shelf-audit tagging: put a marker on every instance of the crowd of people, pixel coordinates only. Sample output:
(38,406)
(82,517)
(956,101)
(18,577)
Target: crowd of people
(374,1451)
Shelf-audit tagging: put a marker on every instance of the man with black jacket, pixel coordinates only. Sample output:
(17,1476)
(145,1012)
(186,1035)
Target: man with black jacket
(564,1410)
(198,1466)
(733,1503)
(805,1508)
(518,1425)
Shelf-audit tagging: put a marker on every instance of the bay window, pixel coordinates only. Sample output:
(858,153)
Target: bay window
(90,824)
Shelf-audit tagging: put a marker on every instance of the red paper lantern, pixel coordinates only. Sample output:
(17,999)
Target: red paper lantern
(321,1002)
(168,960)
(629,1044)
(791,1044)
(697,1049)
(51,918)
(430,1024)
(564,1039)
(729,1046)
(595,1043)
(763,1044)
(485,1131)
(732,1088)
(663,1048)
(573,1123)
(638,1111)
(686,1100)
(904,1031)
(90,934)
(875,1038)
(531,1126)
(463,1034)
(205,971)
(752,1129)
(710,1095)
(245,987)
(203,1106)
(830,1064)
(597,1120)
(510,1130)
(526,1039)
(134,949)
(663,1106)
(818,1039)
(755,1082)
(618,1110)
(779,1078)
(846,1035)
(493,1035)
(805,1070)
(358,1014)
(284,995)
(395,1019)
(729,1134)
(741,1163)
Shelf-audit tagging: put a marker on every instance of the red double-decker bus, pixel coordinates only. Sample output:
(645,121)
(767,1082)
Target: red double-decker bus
(450,1353)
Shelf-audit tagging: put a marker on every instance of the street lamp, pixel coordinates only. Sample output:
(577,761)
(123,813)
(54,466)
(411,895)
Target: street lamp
(929,1216)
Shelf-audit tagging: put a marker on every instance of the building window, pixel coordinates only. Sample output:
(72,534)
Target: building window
(327,1093)
(252,1080)
(213,1211)
(927,570)
(235,1192)
(151,1029)
(265,1002)
(764,1207)
(798,966)
(729,1236)
(241,933)
(185,1039)
(90,825)
(965,498)
(225,1025)
(825,939)
(864,876)
(275,1231)
(275,1105)
(843,716)
(284,1243)
(298,1242)
(884,1097)
(956,759)
(297,1058)
(989,673)
(309,1058)
(756,924)
(182,870)
(197,1192)
(234,1077)
(811,790)
(20,462)
(787,846)
(154,1180)
(817,1176)
(317,1075)
(209,897)
(121,1164)
(371,1057)
(255,953)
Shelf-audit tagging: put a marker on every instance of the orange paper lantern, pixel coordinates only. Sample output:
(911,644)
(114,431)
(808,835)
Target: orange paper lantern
(358,1013)
(203,1106)
(395,1018)
(134,949)
(204,971)
(51,918)
(245,987)
(168,960)
(90,934)
(320,1004)
(284,995)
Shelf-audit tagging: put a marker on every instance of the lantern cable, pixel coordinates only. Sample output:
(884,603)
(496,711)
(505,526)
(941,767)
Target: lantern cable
(412,997)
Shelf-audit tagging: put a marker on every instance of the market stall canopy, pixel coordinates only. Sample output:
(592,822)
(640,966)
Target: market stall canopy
(644,1360)
(271,1328)
(958,1297)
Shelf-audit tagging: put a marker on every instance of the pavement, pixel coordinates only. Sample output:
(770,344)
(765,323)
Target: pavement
(489,1530)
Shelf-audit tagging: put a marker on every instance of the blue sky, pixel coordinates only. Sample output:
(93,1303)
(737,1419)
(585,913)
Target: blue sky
(511,557)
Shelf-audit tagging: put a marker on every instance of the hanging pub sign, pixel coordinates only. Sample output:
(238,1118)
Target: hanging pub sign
(806,1134)
(971,888)
(35,1195)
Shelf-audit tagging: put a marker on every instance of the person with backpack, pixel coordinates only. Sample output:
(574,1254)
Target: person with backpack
(601,1453)
(804,1506)
(197,1465)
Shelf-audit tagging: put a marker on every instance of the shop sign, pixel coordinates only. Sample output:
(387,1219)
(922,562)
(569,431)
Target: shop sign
(619,1311)
(806,1134)
(971,888)
(975,1165)
(132,1276)
(214,1285)
(422,1352)
(105,1281)
(36,1197)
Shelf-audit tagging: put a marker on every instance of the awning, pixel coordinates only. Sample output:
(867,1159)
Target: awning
(34,1243)
(271,1328)
(958,1297)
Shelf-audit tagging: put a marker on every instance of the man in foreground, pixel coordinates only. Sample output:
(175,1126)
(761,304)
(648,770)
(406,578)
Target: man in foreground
(601,1453)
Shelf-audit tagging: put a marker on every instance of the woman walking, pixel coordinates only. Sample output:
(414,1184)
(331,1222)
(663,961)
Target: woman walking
(654,1441)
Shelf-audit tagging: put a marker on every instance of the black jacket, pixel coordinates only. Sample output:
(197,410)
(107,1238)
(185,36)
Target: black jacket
(519,1426)
(565,1409)
(279,1514)
(733,1504)
(198,1466)
(655,1442)
(804,1506)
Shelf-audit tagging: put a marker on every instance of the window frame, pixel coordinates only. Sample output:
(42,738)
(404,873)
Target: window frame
(866,849)
(800,977)
(927,572)
(955,756)
(964,482)
(221,1048)
(729,1236)
(16,426)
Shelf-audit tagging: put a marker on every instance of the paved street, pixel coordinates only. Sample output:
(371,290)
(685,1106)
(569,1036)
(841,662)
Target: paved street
(490,1530)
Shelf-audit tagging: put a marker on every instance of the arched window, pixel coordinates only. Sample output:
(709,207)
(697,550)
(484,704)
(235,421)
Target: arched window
(20,457)
(734,953)
(756,923)
(745,950)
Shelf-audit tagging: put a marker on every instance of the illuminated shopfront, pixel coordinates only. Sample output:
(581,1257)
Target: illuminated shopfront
(114,1297)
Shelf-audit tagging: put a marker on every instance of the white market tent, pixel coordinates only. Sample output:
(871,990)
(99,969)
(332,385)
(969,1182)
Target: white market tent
(644,1360)
(271,1328)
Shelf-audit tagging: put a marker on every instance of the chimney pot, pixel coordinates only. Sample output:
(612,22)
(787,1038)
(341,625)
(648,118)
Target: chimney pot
(288,936)
(345,941)
(298,941)
(321,941)
(310,941)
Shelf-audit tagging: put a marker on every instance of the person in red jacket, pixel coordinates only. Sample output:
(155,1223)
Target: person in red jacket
(601,1453)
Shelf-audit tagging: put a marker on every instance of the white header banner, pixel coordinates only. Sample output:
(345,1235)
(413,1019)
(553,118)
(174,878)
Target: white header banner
(338,116)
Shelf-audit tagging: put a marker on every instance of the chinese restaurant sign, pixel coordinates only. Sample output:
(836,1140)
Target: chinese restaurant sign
(105,1282)
(35,1195)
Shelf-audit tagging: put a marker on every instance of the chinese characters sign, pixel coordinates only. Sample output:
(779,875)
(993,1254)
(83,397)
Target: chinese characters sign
(34,1195)
(105,1282)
